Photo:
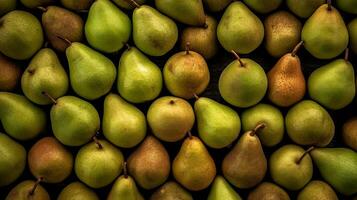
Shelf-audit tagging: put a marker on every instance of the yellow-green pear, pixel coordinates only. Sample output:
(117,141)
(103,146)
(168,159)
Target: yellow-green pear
(304,8)
(352,30)
(124,188)
(349,6)
(7,6)
(77,5)
(77,191)
(28,190)
(171,191)
(317,190)
(222,190)
(263,6)
(216,5)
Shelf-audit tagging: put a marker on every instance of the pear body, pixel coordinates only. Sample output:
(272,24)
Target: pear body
(22,192)
(77,5)
(7,6)
(304,8)
(262,6)
(10,74)
(348,6)
(216,5)
(127,6)
(124,188)
(268,191)
(349,133)
(36,3)
(171,191)
(222,190)
(317,190)
(352,30)
(77,191)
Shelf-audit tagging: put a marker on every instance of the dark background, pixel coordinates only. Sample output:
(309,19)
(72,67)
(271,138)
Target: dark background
(216,65)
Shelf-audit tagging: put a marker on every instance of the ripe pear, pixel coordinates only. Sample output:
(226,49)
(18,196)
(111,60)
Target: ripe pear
(218,125)
(308,123)
(247,77)
(153,33)
(325,34)
(74,121)
(149,164)
(304,8)
(20,118)
(7,6)
(273,131)
(28,190)
(139,79)
(124,188)
(216,5)
(291,167)
(12,160)
(36,3)
(349,133)
(186,74)
(77,5)
(282,33)
(268,191)
(170,118)
(171,191)
(222,190)
(246,31)
(352,29)
(127,6)
(91,73)
(77,191)
(193,167)
(44,76)
(10,74)
(59,22)
(317,190)
(338,167)
(349,6)
(103,167)
(21,35)
(263,6)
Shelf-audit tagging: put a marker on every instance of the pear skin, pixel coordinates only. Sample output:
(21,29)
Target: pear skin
(28,190)
(77,191)
(36,3)
(268,191)
(262,6)
(124,188)
(349,6)
(222,190)
(10,74)
(77,5)
(304,8)
(317,190)
(216,5)
(349,133)
(171,191)
(7,6)
(352,30)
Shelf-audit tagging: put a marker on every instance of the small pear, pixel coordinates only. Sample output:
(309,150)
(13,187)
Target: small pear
(268,191)
(349,6)
(308,123)
(77,5)
(10,74)
(218,125)
(349,133)
(317,190)
(44,76)
(103,167)
(216,5)
(77,191)
(222,190)
(127,6)
(171,191)
(28,190)
(193,166)
(352,29)
(263,6)
(74,121)
(139,79)
(304,8)
(7,6)
(36,3)
(170,118)
(149,164)
(20,118)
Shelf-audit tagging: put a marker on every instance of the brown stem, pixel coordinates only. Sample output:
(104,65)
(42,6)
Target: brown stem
(50,97)
(329,5)
(196,96)
(31,71)
(32,191)
(189,134)
(133,3)
(296,48)
(238,58)
(125,170)
(347,51)
(257,128)
(172,102)
(64,39)
(205,25)
(304,154)
(99,145)
(43,9)
(187,48)
(127,46)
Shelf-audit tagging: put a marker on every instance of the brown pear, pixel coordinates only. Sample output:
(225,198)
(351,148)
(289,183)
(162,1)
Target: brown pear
(268,191)
(10,74)
(286,82)
(317,190)
(28,190)
(349,133)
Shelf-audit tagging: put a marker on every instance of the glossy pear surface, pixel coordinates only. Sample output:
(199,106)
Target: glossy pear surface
(77,191)
(304,8)
(268,191)
(222,190)
(171,191)
(317,190)
(10,74)
(263,6)
(349,133)
(124,188)
(22,192)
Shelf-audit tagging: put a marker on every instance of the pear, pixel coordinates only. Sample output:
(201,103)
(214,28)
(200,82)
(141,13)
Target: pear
(153,33)
(325,34)
(282,33)
(12,160)
(286,82)
(58,22)
(222,190)
(171,191)
(317,190)
(262,6)
(273,131)
(7,6)
(352,29)
(44,76)
(123,124)
(291,167)
(268,191)
(20,118)
(21,35)
(103,167)
(74,121)
(349,6)
(28,190)
(10,74)
(193,167)
(247,77)
(91,73)
(185,11)
(304,8)
(77,191)
(308,123)
(186,74)
(36,3)
(218,125)
(349,133)
(203,40)
(127,6)
(149,164)
(77,5)
(170,118)
(338,167)
(139,79)
(216,5)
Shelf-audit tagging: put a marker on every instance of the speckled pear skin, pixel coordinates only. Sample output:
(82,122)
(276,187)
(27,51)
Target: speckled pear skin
(77,191)
(22,190)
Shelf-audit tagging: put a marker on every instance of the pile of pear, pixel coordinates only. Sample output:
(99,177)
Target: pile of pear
(120,100)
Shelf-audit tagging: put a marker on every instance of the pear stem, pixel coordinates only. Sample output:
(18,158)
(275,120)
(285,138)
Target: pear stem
(49,96)
(125,170)
(189,134)
(128,46)
(46,44)
(304,154)
(32,191)
(257,128)
(172,102)
(64,39)
(329,5)
(43,9)
(196,96)
(99,145)
(296,48)
(238,58)
(205,25)
(187,48)
(347,51)
(133,3)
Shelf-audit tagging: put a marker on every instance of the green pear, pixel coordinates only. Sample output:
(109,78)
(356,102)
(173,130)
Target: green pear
(153,33)
(308,123)
(21,35)
(189,12)
(7,6)
(44,76)
(349,133)
(139,79)
(338,167)
(12,160)
(124,4)
(193,167)
(77,191)
(77,5)
(304,8)
(10,74)
(247,77)
(333,85)
(268,191)
(317,190)
(149,164)
(218,125)
(352,29)
(36,3)
(349,6)
(216,5)
(170,118)
(103,167)
(263,6)
(291,167)
(171,191)
(124,188)
(91,73)
(325,34)
(123,124)
(74,121)
(222,190)
(246,31)
(273,131)
(20,118)
(28,190)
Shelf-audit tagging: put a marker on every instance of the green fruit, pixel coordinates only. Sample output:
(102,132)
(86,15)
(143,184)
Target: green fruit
(222,190)
(77,5)
(268,191)
(10,74)
(124,4)
(171,191)
(36,3)
(28,190)
(124,188)
(77,191)
(263,6)
(349,6)
(352,29)
(304,8)
(216,5)
(7,6)
(317,190)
